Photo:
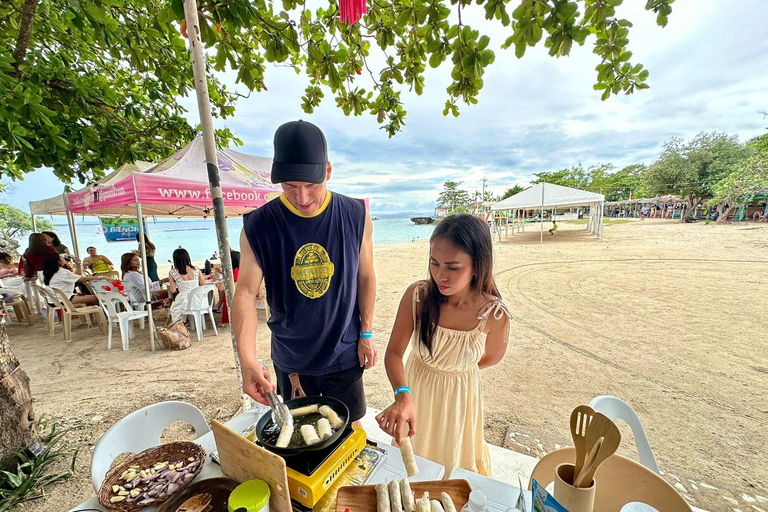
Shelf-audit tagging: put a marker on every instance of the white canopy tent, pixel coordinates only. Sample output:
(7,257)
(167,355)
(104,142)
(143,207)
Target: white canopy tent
(548,195)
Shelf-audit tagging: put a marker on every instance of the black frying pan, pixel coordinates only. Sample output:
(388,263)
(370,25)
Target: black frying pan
(336,405)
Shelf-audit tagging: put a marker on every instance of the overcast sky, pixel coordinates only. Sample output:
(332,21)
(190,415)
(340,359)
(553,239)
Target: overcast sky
(708,72)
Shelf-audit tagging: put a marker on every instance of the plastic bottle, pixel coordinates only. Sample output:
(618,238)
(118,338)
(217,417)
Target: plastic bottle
(44,312)
(476,503)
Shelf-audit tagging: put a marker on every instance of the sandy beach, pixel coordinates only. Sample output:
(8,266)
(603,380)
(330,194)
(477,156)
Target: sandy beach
(669,317)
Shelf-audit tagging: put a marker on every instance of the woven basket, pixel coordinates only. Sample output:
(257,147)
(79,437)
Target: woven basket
(165,452)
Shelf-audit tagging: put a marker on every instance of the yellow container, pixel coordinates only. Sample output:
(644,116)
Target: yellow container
(252,496)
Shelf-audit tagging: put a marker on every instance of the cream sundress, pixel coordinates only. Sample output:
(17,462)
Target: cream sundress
(447,392)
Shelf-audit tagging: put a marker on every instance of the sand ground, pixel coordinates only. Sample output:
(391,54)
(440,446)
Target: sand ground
(669,317)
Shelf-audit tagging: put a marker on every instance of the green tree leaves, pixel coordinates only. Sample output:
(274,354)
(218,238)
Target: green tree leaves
(453,198)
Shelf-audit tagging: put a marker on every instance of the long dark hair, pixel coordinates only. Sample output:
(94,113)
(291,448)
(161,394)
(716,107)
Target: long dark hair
(50,267)
(37,245)
(181,261)
(54,238)
(125,263)
(472,236)
(149,245)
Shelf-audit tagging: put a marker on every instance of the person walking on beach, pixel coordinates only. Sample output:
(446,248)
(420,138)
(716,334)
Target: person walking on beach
(456,325)
(314,250)
(553,228)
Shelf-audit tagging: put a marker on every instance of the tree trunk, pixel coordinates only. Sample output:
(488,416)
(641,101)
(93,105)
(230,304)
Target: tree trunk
(690,207)
(17,417)
(25,31)
(724,214)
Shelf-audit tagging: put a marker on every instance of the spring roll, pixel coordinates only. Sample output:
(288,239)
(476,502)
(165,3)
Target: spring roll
(382,498)
(309,434)
(409,460)
(301,411)
(448,504)
(324,428)
(285,436)
(333,418)
(395,502)
(423,503)
(409,505)
(436,506)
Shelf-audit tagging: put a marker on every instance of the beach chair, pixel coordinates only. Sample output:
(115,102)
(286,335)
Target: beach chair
(68,310)
(618,481)
(616,408)
(52,305)
(21,309)
(140,430)
(124,318)
(199,303)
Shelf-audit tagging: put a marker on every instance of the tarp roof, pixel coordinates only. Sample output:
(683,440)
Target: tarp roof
(178,187)
(58,205)
(548,195)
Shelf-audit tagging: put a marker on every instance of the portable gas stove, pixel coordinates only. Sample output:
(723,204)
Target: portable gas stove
(311,474)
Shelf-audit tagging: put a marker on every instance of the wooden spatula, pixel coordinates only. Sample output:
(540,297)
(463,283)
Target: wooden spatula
(580,419)
(600,427)
(578,479)
(197,503)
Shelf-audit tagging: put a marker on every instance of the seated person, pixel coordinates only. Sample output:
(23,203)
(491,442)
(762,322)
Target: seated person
(56,276)
(130,265)
(97,263)
(7,267)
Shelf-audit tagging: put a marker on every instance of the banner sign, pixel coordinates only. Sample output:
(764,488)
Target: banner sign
(120,230)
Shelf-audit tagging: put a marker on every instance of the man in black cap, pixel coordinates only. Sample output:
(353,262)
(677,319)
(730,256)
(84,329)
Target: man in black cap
(314,251)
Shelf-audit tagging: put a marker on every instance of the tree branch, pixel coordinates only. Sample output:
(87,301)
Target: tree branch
(25,31)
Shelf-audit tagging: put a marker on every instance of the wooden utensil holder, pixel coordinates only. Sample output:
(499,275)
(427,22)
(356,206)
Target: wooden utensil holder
(575,499)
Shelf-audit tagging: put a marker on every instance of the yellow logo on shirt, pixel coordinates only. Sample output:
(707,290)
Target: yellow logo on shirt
(312,270)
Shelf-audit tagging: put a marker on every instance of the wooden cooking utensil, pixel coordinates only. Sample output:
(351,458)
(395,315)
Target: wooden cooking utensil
(580,419)
(197,503)
(578,479)
(601,426)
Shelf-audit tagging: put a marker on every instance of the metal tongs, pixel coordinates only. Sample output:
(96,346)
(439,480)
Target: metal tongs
(281,415)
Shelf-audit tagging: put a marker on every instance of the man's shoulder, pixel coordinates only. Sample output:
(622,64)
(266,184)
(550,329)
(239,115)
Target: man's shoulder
(350,202)
(262,212)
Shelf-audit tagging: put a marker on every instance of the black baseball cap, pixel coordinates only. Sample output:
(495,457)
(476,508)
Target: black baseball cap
(301,153)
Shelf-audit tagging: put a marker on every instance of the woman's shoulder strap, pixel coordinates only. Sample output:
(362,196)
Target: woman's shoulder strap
(419,292)
(498,310)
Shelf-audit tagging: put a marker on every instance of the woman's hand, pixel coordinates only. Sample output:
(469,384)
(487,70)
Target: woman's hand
(256,382)
(398,417)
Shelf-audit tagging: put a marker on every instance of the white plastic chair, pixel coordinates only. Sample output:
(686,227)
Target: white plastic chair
(123,318)
(141,430)
(199,302)
(136,298)
(616,408)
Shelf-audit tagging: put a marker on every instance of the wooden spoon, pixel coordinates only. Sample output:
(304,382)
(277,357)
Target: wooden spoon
(580,420)
(601,427)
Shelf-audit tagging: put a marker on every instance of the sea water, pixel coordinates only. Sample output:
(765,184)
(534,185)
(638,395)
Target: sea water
(198,236)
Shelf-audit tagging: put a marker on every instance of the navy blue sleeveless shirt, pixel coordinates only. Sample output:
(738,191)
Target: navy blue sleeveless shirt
(310,267)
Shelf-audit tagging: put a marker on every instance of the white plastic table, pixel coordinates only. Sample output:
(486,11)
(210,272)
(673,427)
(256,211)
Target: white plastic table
(392,467)
(500,496)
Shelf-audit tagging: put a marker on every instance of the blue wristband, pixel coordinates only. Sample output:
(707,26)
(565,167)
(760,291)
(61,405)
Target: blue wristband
(402,389)
(366,335)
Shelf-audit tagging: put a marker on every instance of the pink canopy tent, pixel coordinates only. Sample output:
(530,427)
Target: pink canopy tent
(178,187)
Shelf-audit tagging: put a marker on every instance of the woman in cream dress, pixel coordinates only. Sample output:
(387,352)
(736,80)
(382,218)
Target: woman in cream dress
(455,325)
(183,278)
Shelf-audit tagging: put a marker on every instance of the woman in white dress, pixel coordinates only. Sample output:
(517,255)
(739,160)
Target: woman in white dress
(183,278)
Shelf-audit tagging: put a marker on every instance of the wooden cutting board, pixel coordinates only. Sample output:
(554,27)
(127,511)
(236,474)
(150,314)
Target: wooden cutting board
(362,498)
(243,460)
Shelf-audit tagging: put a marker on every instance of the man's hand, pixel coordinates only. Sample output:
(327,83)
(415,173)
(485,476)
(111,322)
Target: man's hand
(256,382)
(366,353)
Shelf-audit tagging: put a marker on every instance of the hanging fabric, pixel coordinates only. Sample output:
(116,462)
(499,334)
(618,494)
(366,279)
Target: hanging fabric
(350,11)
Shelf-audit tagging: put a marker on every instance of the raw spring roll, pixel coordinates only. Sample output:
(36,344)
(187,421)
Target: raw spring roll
(302,411)
(448,504)
(309,434)
(285,436)
(332,417)
(382,498)
(409,504)
(409,460)
(324,428)
(423,503)
(395,502)
(436,506)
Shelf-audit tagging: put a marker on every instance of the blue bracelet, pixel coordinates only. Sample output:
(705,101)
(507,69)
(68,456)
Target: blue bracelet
(402,389)
(366,335)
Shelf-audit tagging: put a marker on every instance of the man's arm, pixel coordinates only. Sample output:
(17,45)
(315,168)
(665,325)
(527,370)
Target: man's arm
(366,296)
(245,323)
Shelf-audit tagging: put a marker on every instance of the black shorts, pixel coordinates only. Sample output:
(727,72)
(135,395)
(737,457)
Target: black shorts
(346,385)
